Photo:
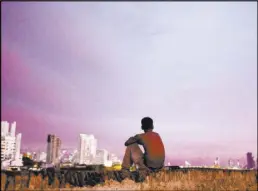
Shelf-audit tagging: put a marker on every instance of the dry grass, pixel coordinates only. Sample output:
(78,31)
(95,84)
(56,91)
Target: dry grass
(191,180)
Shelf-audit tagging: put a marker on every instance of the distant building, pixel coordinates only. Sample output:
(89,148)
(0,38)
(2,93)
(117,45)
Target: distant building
(2,148)
(34,156)
(37,157)
(7,147)
(101,156)
(74,156)
(250,161)
(87,149)
(42,157)
(187,164)
(216,162)
(230,163)
(5,164)
(13,128)
(18,146)
(66,156)
(238,164)
(53,149)
(10,145)
(4,128)
(113,158)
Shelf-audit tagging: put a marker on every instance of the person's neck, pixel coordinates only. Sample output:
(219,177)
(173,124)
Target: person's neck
(149,130)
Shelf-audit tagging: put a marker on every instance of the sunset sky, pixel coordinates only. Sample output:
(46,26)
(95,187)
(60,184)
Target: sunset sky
(98,68)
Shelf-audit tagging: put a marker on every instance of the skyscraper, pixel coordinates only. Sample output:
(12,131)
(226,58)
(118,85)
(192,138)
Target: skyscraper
(87,149)
(13,128)
(48,159)
(4,128)
(250,160)
(18,146)
(8,141)
(53,149)
(7,147)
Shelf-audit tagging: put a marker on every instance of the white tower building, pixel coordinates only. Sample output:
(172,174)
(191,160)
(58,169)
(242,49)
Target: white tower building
(18,146)
(7,147)
(4,128)
(87,149)
(8,141)
(13,128)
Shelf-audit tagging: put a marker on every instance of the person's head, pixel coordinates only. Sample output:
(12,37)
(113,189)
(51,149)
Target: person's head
(147,124)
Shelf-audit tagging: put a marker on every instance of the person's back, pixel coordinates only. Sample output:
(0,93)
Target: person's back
(154,155)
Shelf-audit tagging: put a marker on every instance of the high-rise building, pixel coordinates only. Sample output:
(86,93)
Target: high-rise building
(48,159)
(53,149)
(8,141)
(2,148)
(250,160)
(7,147)
(87,149)
(13,128)
(101,156)
(18,146)
(4,128)
(17,157)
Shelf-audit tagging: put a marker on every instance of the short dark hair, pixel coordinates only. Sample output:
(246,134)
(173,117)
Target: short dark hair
(147,123)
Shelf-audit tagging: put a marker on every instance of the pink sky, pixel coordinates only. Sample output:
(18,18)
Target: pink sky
(71,68)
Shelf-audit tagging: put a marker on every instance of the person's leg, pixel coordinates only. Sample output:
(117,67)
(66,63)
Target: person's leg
(133,154)
(127,163)
(127,160)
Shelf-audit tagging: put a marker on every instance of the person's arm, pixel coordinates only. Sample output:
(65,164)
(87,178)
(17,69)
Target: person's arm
(132,140)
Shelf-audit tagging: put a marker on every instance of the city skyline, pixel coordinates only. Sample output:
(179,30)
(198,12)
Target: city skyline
(98,68)
(87,152)
(83,151)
